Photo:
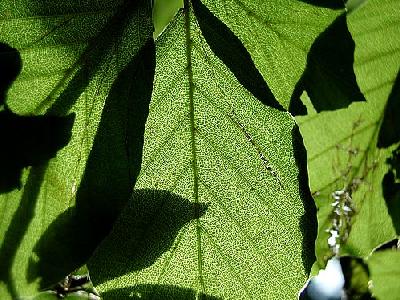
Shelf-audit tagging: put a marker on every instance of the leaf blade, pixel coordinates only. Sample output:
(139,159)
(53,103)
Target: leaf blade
(342,145)
(275,36)
(206,125)
(79,81)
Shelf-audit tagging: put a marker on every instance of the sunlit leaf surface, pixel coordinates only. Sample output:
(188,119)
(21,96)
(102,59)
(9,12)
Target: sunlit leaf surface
(384,267)
(342,145)
(277,34)
(218,209)
(76,57)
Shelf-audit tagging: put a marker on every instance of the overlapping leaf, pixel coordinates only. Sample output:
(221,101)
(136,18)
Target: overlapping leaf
(384,268)
(218,210)
(342,145)
(77,57)
(221,203)
(277,34)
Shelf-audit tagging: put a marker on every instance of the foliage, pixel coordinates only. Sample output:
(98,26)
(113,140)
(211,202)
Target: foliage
(174,167)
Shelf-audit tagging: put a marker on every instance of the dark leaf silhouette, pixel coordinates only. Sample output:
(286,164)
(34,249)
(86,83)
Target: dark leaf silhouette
(111,170)
(389,133)
(308,222)
(329,77)
(391,188)
(26,141)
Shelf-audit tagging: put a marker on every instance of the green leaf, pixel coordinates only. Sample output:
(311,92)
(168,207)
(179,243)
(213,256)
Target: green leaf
(385,274)
(356,274)
(83,58)
(354,4)
(218,210)
(163,13)
(342,145)
(43,296)
(228,48)
(335,4)
(329,78)
(277,34)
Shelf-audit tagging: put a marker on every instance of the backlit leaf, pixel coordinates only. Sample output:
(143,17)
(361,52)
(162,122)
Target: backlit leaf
(342,145)
(218,210)
(80,57)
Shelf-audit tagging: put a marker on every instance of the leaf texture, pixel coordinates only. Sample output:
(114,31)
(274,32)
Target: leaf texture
(77,57)
(218,211)
(342,145)
(384,268)
(329,78)
(278,36)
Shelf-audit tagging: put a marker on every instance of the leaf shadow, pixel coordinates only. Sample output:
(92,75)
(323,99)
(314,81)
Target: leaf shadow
(26,140)
(308,222)
(11,166)
(92,60)
(389,132)
(111,171)
(228,48)
(356,278)
(155,292)
(391,188)
(329,78)
(18,226)
(11,65)
(389,245)
(147,227)
(26,145)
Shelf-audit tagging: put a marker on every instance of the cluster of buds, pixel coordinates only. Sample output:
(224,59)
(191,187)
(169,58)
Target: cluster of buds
(342,213)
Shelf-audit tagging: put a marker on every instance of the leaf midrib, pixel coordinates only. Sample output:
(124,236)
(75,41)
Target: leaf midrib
(189,42)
